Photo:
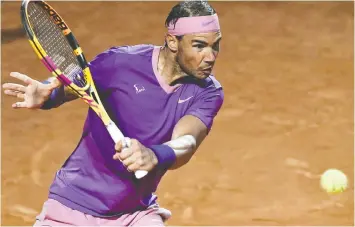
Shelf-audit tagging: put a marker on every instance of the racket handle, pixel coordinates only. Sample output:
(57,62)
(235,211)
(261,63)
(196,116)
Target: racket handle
(140,173)
(117,135)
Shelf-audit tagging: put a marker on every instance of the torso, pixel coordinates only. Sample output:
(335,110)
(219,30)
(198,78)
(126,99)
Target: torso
(143,108)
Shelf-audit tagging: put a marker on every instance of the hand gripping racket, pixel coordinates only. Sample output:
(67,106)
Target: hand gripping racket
(57,48)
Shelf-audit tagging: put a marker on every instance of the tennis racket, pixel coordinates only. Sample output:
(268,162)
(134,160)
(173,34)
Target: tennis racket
(59,51)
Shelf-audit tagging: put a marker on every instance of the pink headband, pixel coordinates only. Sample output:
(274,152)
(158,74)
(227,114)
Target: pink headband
(190,25)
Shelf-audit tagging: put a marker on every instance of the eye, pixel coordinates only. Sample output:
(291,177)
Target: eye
(216,46)
(199,46)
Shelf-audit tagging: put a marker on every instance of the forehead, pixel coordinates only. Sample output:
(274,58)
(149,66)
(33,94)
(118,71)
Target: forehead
(208,36)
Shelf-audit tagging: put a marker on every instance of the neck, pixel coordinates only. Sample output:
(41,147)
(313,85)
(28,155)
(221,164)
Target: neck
(168,68)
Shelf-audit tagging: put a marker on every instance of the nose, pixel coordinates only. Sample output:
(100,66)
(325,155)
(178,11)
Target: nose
(211,56)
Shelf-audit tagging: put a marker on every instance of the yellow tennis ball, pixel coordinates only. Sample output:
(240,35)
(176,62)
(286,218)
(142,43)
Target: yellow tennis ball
(334,181)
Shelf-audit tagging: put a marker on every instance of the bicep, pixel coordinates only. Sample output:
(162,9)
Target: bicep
(190,125)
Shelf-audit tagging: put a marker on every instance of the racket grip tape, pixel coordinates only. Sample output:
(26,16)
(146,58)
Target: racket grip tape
(117,135)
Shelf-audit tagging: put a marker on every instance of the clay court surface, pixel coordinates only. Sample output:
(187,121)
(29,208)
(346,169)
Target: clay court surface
(287,71)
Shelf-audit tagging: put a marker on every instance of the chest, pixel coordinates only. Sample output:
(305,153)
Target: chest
(143,110)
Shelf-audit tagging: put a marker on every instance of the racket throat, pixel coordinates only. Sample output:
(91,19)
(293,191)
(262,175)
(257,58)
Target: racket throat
(94,96)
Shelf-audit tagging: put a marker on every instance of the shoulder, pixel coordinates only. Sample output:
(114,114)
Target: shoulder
(210,84)
(122,54)
(207,101)
(213,83)
(208,90)
(140,50)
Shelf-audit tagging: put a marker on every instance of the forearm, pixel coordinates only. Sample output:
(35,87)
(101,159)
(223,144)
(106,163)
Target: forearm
(187,136)
(184,147)
(66,93)
(58,96)
(69,95)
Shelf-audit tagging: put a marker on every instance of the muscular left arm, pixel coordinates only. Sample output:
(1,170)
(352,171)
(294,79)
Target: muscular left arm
(187,136)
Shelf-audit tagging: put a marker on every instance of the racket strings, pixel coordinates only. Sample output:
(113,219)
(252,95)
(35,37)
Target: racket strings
(55,44)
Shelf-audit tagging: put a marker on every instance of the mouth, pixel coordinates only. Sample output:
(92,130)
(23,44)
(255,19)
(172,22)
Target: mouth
(207,70)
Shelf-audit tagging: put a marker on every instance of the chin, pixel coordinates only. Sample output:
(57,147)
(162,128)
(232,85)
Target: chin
(201,76)
(197,75)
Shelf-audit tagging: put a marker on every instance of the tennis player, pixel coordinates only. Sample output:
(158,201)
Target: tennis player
(162,97)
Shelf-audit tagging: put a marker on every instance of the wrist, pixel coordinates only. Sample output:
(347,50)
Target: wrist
(56,98)
(165,155)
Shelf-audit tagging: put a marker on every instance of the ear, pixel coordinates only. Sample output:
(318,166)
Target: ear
(172,42)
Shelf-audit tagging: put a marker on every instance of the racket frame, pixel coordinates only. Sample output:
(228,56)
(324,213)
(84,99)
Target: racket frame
(88,93)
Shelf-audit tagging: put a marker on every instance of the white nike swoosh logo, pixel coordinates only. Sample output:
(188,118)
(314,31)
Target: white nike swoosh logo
(207,23)
(184,100)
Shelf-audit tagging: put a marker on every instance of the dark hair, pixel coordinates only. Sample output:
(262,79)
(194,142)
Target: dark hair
(189,9)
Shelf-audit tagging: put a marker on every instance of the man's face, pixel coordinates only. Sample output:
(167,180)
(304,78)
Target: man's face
(197,53)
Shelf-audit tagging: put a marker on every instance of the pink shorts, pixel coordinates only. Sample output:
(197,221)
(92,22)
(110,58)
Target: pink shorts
(56,214)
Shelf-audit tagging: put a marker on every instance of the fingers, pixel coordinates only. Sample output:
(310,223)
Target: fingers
(133,161)
(134,157)
(118,146)
(16,90)
(26,79)
(134,167)
(15,94)
(15,87)
(116,156)
(19,105)
(122,144)
(123,154)
(129,158)
(129,162)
